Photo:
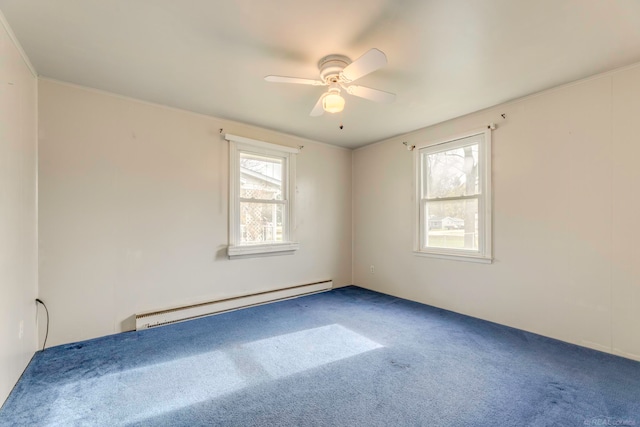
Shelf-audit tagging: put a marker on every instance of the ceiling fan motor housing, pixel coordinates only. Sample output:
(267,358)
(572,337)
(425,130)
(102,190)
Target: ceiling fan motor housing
(331,66)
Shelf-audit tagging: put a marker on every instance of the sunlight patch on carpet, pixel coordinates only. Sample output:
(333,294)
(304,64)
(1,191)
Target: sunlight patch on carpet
(149,390)
(142,393)
(299,351)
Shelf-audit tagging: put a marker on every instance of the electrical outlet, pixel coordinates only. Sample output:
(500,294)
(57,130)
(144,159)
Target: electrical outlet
(372,269)
(21,331)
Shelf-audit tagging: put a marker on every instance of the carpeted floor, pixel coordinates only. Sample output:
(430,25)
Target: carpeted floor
(348,357)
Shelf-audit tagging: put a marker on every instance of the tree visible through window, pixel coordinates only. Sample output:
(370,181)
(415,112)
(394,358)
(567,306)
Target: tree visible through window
(454,197)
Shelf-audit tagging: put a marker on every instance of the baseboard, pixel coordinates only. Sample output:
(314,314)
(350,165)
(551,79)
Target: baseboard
(193,311)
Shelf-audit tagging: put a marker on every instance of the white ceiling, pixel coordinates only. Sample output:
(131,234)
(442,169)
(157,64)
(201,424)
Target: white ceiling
(446,57)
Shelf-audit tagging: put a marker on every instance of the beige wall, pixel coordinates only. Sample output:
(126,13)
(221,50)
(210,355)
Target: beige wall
(18,218)
(566,208)
(133,212)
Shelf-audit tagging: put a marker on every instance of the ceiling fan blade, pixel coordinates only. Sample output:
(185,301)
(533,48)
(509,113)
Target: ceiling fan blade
(371,94)
(367,63)
(297,80)
(318,110)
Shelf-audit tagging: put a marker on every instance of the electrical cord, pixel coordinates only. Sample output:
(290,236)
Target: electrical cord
(47,310)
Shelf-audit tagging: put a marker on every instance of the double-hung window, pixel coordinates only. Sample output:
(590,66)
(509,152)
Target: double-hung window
(261,202)
(453,200)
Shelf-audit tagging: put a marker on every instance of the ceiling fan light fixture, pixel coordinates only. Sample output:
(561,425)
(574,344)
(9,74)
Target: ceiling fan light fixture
(337,72)
(333,103)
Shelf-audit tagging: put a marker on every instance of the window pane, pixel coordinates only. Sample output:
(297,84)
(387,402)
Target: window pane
(260,177)
(452,224)
(451,173)
(261,222)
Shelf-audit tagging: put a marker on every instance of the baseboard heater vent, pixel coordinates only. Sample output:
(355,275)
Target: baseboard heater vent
(193,311)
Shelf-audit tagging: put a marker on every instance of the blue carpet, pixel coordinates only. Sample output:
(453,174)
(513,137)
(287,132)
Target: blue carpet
(348,357)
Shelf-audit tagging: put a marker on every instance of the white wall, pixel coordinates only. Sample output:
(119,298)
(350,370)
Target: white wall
(566,210)
(18,217)
(133,212)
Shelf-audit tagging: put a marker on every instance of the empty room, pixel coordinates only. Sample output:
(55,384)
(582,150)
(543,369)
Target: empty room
(304,213)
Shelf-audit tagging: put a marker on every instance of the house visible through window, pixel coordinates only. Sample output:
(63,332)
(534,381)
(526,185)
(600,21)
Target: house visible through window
(454,197)
(262,205)
(262,176)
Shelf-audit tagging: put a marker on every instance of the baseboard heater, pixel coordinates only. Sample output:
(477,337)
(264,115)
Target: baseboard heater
(193,311)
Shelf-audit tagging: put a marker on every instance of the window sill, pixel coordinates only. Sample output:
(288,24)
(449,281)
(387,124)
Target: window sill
(251,251)
(455,257)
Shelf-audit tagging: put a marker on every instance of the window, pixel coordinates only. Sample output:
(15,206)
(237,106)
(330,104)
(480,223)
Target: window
(454,197)
(262,183)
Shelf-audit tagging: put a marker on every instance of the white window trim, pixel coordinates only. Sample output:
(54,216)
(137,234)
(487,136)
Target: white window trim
(289,246)
(484,254)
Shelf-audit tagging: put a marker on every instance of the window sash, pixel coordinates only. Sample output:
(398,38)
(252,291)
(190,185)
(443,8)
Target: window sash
(424,229)
(442,148)
(261,228)
(284,159)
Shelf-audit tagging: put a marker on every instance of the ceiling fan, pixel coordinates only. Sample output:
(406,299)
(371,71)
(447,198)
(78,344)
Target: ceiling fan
(338,72)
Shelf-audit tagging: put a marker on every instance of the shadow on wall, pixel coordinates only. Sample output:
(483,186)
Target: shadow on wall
(128,324)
